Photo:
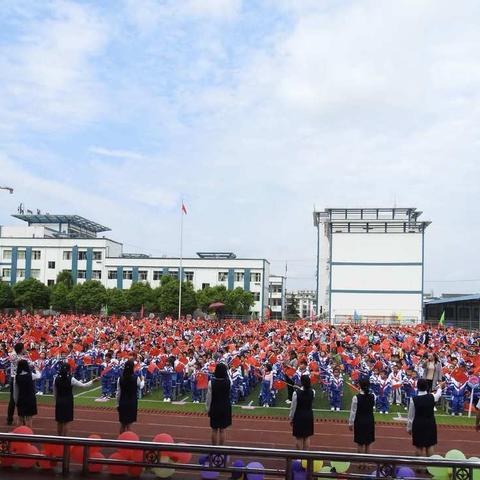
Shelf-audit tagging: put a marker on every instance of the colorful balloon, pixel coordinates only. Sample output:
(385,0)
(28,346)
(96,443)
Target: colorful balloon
(117,469)
(27,462)
(340,467)
(164,472)
(438,473)
(95,467)
(254,476)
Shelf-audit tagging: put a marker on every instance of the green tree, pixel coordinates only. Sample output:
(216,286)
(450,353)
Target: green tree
(65,277)
(239,302)
(292,305)
(61,298)
(116,300)
(89,297)
(6,295)
(168,296)
(31,294)
(140,294)
(210,295)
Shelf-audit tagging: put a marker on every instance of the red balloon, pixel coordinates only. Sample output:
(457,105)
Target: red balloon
(164,438)
(27,462)
(117,469)
(95,449)
(181,457)
(76,454)
(135,471)
(95,468)
(46,464)
(129,453)
(23,430)
(53,450)
(130,436)
(7,462)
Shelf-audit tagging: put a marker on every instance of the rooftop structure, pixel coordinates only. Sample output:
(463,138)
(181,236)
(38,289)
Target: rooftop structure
(66,226)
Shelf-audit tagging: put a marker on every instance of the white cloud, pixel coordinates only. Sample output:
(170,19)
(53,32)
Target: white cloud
(112,153)
(150,14)
(47,77)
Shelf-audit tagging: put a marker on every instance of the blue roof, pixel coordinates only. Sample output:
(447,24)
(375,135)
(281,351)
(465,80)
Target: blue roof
(461,298)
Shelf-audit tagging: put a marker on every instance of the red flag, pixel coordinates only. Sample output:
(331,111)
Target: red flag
(184,208)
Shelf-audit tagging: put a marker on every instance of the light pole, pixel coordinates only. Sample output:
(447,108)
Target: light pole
(9,189)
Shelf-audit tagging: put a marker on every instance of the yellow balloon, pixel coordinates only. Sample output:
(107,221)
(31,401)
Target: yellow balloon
(317,465)
(164,472)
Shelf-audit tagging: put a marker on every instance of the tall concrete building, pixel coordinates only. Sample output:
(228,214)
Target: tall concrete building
(370,264)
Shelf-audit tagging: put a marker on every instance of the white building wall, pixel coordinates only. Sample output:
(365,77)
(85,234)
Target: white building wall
(366,265)
(377,247)
(370,275)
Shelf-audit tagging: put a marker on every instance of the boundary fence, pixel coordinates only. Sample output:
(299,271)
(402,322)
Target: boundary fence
(281,460)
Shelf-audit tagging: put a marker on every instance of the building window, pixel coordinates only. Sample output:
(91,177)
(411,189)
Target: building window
(67,255)
(82,274)
(35,273)
(256,296)
(82,255)
(50,282)
(205,285)
(276,289)
(51,264)
(97,255)
(21,254)
(239,276)
(189,276)
(276,302)
(97,274)
(127,274)
(256,277)
(112,274)
(21,273)
(7,254)
(157,274)
(6,273)
(36,254)
(173,273)
(142,274)
(222,276)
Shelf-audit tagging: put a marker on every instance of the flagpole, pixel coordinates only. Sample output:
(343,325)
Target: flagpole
(180,270)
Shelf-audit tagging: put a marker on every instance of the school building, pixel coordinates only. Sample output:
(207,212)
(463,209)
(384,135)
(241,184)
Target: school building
(49,244)
(370,264)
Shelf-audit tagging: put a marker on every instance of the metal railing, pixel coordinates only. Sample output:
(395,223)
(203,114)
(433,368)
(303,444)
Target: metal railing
(282,460)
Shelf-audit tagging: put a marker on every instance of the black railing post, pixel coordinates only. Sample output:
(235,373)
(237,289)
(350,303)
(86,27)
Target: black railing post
(66,460)
(86,451)
(309,468)
(288,469)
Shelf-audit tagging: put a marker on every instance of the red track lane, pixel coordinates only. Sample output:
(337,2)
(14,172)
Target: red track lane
(251,432)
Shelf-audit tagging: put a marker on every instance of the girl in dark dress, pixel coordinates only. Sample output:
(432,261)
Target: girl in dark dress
(421,423)
(63,392)
(127,403)
(362,421)
(219,407)
(301,413)
(24,393)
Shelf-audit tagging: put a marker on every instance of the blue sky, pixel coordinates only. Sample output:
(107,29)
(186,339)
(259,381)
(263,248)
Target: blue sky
(253,112)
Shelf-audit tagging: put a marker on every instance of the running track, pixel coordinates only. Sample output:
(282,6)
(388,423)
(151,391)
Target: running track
(248,431)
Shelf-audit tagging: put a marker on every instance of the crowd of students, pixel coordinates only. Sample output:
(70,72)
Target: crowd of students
(133,357)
